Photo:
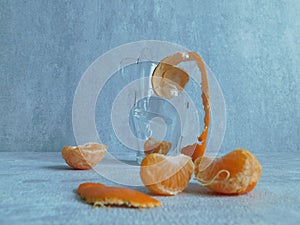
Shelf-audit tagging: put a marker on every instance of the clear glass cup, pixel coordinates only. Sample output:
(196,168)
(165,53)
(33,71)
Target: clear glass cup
(136,113)
(153,116)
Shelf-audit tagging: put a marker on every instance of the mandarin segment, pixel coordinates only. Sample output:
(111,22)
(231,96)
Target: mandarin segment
(235,173)
(167,80)
(166,175)
(101,195)
(155,146)
(84,156)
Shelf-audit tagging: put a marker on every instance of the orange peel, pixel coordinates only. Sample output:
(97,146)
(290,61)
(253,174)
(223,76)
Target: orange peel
(101,195)
(155,146)
(87,185)
(163,75)
(166,175)
(235,173)
(167,80)
(84,156)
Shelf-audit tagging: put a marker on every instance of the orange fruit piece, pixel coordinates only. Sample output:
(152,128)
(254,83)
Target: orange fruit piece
(85,156)
(154,146)
(195,150)
(167,80)
(235,173)
(101,195)
(166,175)
(167,77)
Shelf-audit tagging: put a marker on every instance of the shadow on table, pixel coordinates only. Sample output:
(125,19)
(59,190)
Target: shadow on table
(77,197)
(57,167)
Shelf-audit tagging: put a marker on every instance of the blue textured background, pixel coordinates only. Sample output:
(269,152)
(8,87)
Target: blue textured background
(251,46)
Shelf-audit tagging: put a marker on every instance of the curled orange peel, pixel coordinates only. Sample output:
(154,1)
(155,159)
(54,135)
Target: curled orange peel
(167,80)
(101,195)
(159,79)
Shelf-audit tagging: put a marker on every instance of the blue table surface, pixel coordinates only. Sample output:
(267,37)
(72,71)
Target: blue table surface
(39,188)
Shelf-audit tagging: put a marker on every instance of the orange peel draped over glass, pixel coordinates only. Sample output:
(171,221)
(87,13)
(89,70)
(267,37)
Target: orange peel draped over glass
(167,80)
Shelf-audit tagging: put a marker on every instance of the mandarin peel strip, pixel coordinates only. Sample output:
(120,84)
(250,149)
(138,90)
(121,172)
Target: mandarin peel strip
(174,60)
(83,186)
(167,80)
(101,195)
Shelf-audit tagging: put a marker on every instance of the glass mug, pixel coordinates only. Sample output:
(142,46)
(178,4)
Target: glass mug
(156,118)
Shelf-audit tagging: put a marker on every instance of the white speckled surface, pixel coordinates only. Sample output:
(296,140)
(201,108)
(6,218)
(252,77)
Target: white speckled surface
(38,188)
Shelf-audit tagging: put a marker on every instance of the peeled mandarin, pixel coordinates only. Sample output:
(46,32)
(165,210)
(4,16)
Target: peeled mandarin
(85,156)
(235,173)
(166,175)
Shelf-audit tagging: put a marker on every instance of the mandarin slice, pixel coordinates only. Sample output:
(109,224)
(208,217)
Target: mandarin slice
(235,173)
(101,195)
(155,146)
(85,156)
(167,80)
(166,175)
